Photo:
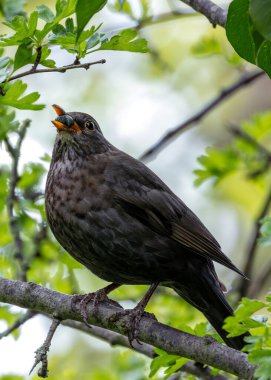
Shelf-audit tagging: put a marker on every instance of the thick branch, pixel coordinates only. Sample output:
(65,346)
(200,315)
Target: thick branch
(226,93)
(61,69)
(116,339)
(202,350)
(215,14)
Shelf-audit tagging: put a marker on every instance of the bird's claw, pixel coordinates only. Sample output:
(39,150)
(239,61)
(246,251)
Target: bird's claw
(95,297)
(134,317)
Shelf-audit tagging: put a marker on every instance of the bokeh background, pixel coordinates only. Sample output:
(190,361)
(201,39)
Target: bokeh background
(137,98)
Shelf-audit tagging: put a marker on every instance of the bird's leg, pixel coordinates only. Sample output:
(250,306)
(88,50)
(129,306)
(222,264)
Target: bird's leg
(136,314)
(96,297)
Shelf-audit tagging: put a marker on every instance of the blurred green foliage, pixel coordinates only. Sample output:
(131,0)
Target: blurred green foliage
(243,159)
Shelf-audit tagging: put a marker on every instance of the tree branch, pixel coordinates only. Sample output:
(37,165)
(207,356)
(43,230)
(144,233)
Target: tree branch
(115,339)
(226,93)
(202,350)
(61,69)
(215,14)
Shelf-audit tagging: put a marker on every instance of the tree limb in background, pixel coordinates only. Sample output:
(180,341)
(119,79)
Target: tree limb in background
(252,247)
(15,152)
(215,14)
(20,321)
(173,133)
(59,305)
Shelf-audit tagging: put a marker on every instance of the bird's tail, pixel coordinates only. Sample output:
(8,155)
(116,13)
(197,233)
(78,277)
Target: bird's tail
(208,297)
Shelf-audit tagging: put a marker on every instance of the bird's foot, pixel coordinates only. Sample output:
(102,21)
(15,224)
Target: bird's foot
(134,317)
(97,298)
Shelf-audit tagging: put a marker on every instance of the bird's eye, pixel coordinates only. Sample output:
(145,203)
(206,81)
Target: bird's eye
(89,125)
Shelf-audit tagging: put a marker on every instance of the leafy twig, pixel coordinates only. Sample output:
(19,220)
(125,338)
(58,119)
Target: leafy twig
(173,133)
(61,69)
(42,351)
(215,14)
(11,200)
(173,341)
(28,315)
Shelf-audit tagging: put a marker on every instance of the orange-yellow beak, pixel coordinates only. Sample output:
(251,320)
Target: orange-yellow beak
(58,110)
(64,122)
(58,124)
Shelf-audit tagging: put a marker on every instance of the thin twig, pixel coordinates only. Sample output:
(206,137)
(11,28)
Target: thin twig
(42,351)
(115,339)
(173,133)
(162,17)
(14,152)
(61,69)
(20,321)
(247,137)
(215,14)
(258,284)
(38,58)
(252,247)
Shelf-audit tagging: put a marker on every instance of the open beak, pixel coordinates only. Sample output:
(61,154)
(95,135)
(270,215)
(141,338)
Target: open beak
(64,122)
(58,124)
(58,110)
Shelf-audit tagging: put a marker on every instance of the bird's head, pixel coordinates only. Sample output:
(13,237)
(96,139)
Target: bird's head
(74,122)
(78,131)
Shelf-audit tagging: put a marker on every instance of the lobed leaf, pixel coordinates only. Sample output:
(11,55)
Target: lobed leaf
(13,97)
(85,10)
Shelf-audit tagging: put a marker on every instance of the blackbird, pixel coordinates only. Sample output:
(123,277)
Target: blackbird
(122,222)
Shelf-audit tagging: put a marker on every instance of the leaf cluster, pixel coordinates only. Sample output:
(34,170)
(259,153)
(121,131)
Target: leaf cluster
(247,152)
(34,34)
(259,326)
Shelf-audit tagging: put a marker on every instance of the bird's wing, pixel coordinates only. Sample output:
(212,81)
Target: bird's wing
(145,197)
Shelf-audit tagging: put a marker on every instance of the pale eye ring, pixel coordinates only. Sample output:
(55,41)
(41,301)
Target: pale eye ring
(89,125)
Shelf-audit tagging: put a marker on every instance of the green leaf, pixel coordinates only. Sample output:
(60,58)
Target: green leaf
(23,56)
(125,40)
(63,10)
(85,10)
(260,11)
(239,29)
(32,22)
(263,58)
(164,360)
(45,13)
(13,97)
(242,322)
(262,358)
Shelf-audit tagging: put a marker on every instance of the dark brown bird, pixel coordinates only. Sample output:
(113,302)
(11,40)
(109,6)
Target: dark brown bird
(122,222)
